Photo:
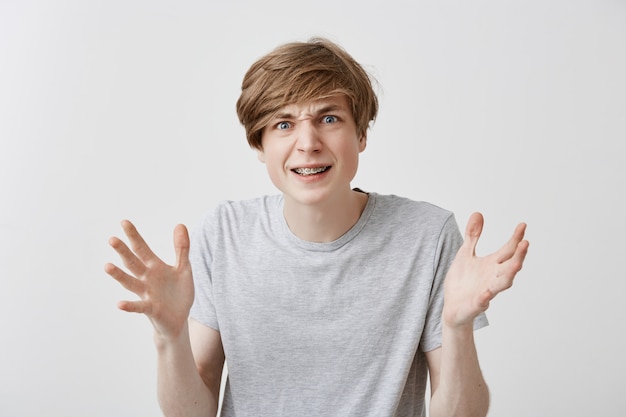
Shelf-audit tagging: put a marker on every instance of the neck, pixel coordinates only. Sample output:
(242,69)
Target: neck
(327,221)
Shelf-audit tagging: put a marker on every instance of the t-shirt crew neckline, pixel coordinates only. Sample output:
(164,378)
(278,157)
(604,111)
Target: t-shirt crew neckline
(327,246)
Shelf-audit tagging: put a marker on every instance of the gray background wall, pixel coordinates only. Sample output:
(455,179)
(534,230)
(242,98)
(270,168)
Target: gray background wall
(125,109)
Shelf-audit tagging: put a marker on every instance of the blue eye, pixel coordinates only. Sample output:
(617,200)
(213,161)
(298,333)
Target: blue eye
(283,125)
(329,119)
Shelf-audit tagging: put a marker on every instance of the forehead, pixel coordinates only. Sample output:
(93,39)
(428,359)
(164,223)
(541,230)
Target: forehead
(336,103)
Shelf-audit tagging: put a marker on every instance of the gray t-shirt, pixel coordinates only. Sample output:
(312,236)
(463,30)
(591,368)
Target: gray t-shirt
(324,329)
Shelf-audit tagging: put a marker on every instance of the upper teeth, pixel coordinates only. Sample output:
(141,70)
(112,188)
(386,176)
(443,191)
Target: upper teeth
(309,171)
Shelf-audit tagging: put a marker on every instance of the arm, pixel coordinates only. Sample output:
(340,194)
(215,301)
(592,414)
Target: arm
(187,386)
(456,381)
(190,372)
(457,385)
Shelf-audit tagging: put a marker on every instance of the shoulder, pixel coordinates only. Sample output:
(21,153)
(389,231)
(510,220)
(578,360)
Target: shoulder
(237,217)
(229,224)
(243,211)
(406,211)
(415,222)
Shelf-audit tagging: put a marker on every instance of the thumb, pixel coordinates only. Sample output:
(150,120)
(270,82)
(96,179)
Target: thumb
(181,246)
(473,230)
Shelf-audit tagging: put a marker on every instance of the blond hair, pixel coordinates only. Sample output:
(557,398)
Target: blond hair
(300,72)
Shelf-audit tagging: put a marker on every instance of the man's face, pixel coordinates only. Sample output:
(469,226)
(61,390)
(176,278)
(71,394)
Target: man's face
(311,150)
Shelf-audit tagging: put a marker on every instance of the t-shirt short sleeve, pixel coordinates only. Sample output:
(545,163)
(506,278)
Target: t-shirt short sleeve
(450,240)
(200,256)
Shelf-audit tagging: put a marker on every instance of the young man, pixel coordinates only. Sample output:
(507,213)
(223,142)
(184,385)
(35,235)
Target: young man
(325,300)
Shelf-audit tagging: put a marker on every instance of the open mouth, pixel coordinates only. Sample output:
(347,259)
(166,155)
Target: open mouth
(310,171)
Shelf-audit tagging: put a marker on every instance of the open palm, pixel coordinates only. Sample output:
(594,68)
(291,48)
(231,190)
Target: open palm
(473,281)
(166,291)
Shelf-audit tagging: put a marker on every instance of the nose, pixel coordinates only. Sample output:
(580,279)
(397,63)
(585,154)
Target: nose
(308,139)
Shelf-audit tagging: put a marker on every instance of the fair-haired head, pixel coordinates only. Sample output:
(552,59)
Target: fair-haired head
(301,72)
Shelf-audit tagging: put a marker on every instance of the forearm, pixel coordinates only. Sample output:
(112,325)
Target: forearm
(462,391)
(181,390)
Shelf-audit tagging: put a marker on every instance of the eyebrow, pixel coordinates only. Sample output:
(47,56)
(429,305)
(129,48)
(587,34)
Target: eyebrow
(326,109)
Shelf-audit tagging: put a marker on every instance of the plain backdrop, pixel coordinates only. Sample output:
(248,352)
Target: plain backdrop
(115,109)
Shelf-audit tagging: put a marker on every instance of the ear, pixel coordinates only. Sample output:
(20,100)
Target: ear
(363,142)
(260,155)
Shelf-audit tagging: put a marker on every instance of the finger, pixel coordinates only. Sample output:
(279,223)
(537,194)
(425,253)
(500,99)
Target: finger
(181,246)
(510,247)
(473,231)
(129,259)
(509,269)
(516,262)
(133,306)
(139,245)
(129,282)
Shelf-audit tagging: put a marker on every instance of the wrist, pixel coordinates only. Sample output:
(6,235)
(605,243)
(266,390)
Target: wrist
(163,341)
(455,319)
(458,330)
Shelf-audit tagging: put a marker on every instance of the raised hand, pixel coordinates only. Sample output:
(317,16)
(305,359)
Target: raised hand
(166,292)
(472,281)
